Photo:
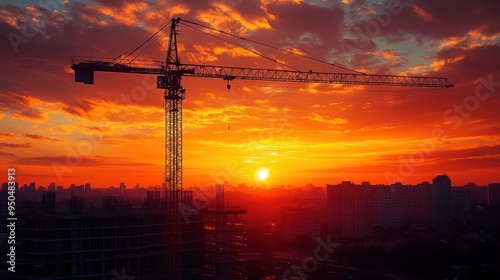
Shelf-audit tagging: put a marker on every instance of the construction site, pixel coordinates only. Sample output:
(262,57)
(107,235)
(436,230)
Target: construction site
(77,237)
(224,225)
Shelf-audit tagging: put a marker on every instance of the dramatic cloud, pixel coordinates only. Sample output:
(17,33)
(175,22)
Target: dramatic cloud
(84,161)
(39,137)
(10,100)
(16,146)
(80,108)
(6,135)
(31,114)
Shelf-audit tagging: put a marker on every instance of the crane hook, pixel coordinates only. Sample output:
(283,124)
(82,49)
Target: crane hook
(228,86)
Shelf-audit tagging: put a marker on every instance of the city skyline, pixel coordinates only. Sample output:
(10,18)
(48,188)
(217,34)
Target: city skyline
(262,186)
(58,130)
(246,226)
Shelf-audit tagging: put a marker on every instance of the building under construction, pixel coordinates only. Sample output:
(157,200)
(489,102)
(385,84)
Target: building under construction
(115,241)
(225,240)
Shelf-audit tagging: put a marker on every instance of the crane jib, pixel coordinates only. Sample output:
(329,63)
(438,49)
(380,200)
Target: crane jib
(84,72)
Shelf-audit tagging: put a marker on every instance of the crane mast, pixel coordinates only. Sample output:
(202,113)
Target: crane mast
(169,78)
(173,96)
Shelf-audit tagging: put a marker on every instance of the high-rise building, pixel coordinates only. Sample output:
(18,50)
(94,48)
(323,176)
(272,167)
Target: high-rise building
(461,206)
(386,208)
(349,210)
(424,204)
(494,195)
(441,200)
(479,194)
(394,206)
(49,201)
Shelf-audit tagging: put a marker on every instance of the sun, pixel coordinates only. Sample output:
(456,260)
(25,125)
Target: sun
(263,173)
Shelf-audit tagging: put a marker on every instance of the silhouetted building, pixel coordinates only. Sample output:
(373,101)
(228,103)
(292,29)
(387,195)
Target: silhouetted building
(91,246)
(424,205)
(461,206)
(350,210)
(386,208)
(193,235)
(225,240)
(441,200)
(77,203)
(479,194)
(49,201)
(112,202)
(152,199)
(101,243)
(494,195)
(359,211)
(299,222)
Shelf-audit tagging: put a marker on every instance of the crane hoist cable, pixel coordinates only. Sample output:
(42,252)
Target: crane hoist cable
(270,46)
(240,46)
(133,50)
(150,43)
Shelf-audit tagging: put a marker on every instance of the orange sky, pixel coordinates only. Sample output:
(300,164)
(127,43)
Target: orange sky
(56,130)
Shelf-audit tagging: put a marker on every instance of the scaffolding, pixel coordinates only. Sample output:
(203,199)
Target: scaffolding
(225,240)
(96,243)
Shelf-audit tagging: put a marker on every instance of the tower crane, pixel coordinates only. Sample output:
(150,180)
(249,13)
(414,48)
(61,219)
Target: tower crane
(169,76)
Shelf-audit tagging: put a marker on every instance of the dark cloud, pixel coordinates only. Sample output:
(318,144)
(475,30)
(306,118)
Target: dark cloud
(464,64)
(79,108)
(10,100)
(450,155)
(114,3)
(16,146)
(95,128)
(32,114)
(6,135)
(307,26)
(390,165)
(41,65)
(39,137)
(82,161)
(446,18)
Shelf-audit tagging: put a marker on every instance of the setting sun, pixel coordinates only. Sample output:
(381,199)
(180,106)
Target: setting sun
(263,173)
